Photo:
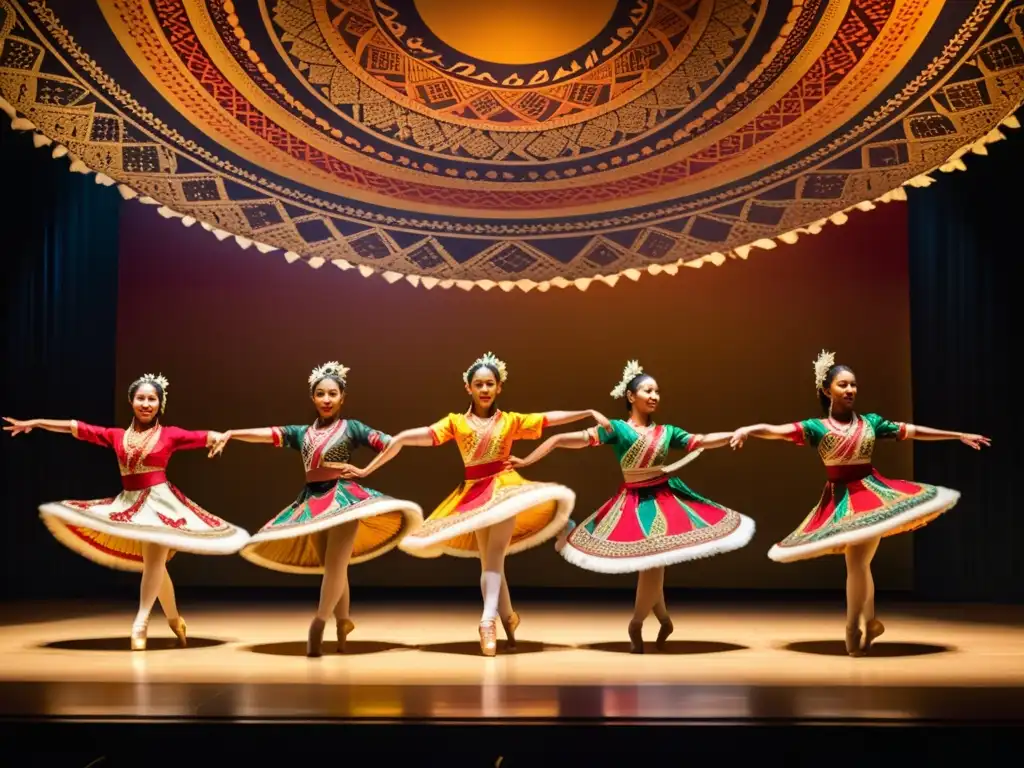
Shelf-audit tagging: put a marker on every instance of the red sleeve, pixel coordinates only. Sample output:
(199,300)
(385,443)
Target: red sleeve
(185,440)
(105,436)
(796,434)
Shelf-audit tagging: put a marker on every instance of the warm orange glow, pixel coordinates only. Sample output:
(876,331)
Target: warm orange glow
(516,31)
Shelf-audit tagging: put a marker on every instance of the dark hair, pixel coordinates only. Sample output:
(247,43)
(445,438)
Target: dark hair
(156,387)
(333,377)
(830,375)
(497,377)
(633,386)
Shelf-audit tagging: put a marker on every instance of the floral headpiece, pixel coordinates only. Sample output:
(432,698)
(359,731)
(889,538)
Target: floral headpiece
(333,369)
(630,372)
(489,360)
(825,361)
(159,381)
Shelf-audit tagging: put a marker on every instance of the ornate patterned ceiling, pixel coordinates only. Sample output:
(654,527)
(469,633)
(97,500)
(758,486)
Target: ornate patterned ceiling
(512,142)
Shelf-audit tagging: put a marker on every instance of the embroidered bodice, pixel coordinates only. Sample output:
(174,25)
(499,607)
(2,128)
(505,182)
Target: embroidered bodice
(333,444)
(642,447)
(846,444)
(139,453)
(483,441)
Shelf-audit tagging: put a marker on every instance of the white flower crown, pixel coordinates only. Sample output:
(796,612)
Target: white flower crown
(490,360)
(630,372)
(333,368)
(825,361)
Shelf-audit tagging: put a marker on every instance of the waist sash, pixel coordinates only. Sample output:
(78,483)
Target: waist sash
(142,481)
(848,473)
(490,469)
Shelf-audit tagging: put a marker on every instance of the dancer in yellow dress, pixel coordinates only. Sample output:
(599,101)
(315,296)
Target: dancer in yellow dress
(494,512)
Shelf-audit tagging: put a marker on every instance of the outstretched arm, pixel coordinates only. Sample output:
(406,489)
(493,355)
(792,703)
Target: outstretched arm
(557,418)
(420,437)
(16,427)
(564,440)
(764,431)
(915,432)
(258,435)
(713,440)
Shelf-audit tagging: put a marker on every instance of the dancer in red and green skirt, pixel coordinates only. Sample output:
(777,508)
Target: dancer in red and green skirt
(858,506)
(654,520)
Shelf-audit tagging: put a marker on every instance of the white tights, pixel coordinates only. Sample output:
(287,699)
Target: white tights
(493,544)
(860,585)
(335,549)
(156,584)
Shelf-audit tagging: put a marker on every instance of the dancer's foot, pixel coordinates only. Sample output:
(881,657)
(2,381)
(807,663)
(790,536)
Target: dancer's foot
(488,637)
(663,633)
(875,629)
(854,641)
(179,629)
(315,641)
(510,624)
(636,638)
(139,637)
(345,626)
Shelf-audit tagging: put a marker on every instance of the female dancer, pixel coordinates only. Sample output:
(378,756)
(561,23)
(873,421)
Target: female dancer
(333,521)
(494,512)
(142,528)
(858,506)
(654,520)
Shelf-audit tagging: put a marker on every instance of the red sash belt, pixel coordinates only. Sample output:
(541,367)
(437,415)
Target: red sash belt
(143,481)
(480,471)
(848,473)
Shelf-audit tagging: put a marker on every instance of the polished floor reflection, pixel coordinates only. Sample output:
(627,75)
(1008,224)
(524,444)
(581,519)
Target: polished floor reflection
(724,663)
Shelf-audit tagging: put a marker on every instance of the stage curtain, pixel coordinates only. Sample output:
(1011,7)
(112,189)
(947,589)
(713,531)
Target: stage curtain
(59,304)
(965,254)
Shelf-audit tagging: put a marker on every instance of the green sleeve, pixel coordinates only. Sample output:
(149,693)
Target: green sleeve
(365,436)
(679,438)
(885,429)
(809,432)
(292,436)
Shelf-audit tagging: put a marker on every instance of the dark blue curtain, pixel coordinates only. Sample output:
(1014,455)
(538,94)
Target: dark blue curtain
(965,254)
(59,309)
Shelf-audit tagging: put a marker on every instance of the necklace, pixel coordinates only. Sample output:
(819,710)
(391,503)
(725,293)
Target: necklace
(137,445)
(641,427)
(844,431)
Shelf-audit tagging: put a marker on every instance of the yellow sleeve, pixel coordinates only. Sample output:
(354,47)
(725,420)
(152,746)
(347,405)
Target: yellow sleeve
(442,431)
(527,426)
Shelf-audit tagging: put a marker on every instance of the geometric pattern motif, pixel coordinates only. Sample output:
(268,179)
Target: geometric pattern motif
(348,132)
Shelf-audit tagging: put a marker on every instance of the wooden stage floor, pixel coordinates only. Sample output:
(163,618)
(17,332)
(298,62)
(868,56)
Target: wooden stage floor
(726,663)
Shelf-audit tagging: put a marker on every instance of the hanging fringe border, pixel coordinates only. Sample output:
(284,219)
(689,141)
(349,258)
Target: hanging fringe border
(954,163)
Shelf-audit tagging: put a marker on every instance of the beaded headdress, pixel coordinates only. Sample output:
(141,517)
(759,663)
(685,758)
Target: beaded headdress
(489,360)
(159,381)
(630,372)
(333,369)
(825,361)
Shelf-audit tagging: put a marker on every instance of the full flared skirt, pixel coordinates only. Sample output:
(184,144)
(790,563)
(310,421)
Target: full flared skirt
(114,531)
(858,511)
(295,540)
(541,511)
(654,526)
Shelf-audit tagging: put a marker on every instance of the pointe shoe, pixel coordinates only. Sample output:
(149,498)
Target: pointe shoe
(315,640)
(488,638)
(345,626)
(510,624)
(875,629)
(636,638)
(854,641)
(666,629)
(139,638)
(179,628)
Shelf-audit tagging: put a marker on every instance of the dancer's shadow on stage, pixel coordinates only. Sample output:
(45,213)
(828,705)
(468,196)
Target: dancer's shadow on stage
(352,648)
(672,647)
(879,649)
(124,644)
(471,648)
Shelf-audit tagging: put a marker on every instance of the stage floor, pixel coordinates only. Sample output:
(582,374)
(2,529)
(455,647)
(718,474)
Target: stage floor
(725,663)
